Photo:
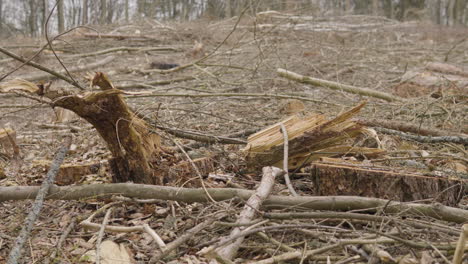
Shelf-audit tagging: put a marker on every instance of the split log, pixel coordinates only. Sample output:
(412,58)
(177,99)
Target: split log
(310,138)
(339,178)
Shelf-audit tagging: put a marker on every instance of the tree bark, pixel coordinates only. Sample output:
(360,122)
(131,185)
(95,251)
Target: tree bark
(133,147)
(126,11)
(102,18)
(45,11)
(85,12)
(61,18)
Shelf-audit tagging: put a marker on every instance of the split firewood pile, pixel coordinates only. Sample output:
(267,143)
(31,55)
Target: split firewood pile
(273,138)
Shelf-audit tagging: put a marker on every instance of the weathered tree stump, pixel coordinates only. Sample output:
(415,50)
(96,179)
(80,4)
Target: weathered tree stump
(128,138)
(382,182)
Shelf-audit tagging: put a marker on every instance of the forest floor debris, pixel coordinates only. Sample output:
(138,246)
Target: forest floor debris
(225,81)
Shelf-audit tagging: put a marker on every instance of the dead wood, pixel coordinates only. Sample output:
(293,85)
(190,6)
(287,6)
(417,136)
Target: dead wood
(152,84)
(247,214)
(40,67)
(117,36)
(8,145)
(310,137)
(382,182)
(334,203)
(406,127)
(363,217)
(201,137)
(185,237)
(42,192)
(446,68)
(425,139)
(132,146)
(261,95)
(338,86)
(91,66)
(71,173)
(461,245)
(119,49)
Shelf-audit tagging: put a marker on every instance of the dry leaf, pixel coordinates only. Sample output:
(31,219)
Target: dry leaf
(19,85)
(110,253)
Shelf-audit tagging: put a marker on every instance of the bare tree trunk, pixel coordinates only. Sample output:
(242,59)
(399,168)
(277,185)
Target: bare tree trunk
(126,10)
(1,16)
(45,12)
(451,12)
(85,12)
(459,8)
(102,18)
(61,18)
(110,11)
(32,18)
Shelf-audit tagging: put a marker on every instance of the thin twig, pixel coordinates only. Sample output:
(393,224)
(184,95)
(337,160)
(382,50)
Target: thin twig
(261,95)
(285,161)
(195,168)
(183,238)
(40,67)
(101,235)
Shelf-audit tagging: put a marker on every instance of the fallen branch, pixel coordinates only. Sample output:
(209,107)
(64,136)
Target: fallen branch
(362,217)
(250,208)
(94,65)
(183,238)
(461,244)
(101,235)
(287,180)
(201,137)
(338,86)
(405,127)
(42,68)
(117,49)
(41,193)
(261,95)
(151,84)
(120,229)
(424,139)
(117,36)
(190,195)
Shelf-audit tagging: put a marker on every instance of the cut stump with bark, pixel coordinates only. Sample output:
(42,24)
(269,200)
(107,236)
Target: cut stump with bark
(330,178)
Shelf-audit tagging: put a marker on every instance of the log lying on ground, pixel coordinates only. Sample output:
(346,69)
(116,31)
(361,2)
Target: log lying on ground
(190,195)
(310,137)
(345,178)
(406,127)
(338,86)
